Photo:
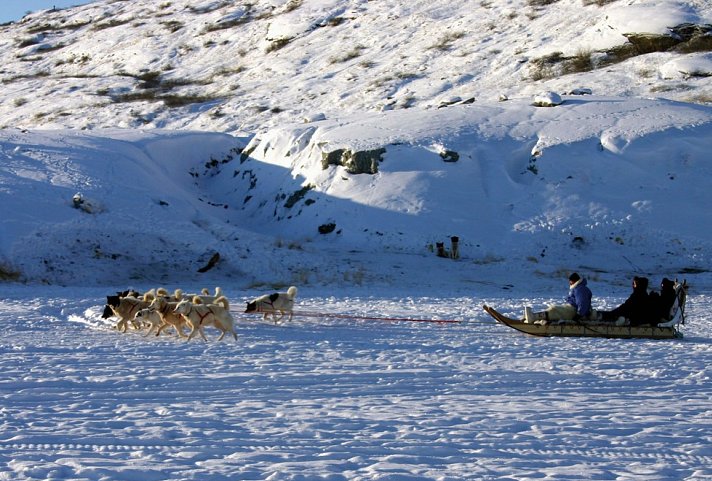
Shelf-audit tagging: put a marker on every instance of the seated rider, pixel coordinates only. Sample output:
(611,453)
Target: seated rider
(578,304)
(662,303)
(636,309)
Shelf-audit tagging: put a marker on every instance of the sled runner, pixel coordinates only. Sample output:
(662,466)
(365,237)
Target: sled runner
(589,328)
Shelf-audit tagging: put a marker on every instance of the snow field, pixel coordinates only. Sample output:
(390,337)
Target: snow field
(340,399)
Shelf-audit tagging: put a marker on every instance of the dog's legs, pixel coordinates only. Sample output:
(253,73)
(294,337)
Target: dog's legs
(196,330)
(155,328)
(150,330)
(202,333)
(225,330)
(231,330)
(220,327)
(192,333)
(161,328)
(193,329)
(121,325)
(179,330)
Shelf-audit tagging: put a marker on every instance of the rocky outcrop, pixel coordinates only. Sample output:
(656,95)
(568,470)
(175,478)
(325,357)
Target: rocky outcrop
(686,37)
(358,162)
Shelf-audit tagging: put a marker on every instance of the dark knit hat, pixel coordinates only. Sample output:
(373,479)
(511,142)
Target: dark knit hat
(574,277)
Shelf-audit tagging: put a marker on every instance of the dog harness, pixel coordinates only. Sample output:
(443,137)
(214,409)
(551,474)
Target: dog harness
(132,308)
(201,316)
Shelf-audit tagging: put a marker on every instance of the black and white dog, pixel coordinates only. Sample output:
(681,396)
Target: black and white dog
(278,302)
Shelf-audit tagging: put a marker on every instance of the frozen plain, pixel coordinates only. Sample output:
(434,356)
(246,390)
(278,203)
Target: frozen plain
(347,399)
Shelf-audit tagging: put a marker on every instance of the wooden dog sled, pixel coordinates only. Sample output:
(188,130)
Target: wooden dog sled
(588,328)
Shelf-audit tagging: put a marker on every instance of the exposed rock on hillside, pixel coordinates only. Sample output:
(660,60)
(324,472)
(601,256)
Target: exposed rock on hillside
(359,162)
(682,38)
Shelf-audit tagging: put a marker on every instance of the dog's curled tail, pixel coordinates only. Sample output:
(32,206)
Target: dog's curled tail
(292,292)
(223,301)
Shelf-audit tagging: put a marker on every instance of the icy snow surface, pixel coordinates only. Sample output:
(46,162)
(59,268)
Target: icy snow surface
(361,384)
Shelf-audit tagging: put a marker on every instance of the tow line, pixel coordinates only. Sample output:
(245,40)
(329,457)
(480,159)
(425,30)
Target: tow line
(373,318)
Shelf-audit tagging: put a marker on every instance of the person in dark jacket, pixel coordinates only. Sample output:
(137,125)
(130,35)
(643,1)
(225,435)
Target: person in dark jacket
(662,303)
(578,304)
(636,309)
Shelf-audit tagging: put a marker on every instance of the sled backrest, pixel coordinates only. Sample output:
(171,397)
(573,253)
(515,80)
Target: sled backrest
(677,310)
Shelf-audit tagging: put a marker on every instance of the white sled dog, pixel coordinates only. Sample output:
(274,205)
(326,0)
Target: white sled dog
(149,317)
(282,302)
(200,315)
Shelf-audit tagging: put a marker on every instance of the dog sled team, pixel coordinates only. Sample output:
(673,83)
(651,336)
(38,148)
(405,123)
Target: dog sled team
(157,310)
(641,308)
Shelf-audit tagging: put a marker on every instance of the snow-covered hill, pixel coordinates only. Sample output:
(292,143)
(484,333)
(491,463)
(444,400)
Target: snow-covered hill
(245,66)
(338,141)
(607,185)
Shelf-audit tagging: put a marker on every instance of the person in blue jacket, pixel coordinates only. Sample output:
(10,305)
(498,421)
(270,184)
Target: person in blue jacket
(577,307)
